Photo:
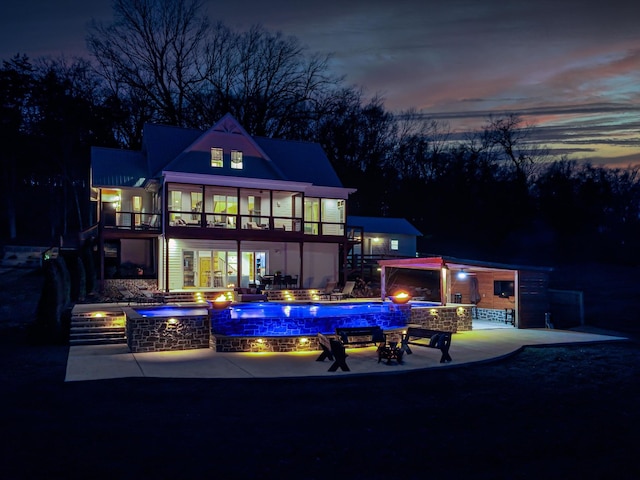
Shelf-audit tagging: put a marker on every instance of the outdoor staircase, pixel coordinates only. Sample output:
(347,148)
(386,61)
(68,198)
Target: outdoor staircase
(97,330)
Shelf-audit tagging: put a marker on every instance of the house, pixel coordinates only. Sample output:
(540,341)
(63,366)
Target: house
(374,238)
(196,210)
(383,236)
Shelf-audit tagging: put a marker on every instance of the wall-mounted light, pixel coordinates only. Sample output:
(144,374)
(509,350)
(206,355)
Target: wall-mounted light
(433,312)
(462,274)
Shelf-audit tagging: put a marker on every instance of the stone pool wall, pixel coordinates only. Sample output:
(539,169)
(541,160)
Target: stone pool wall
(290,334)
(223,343)
(153,334)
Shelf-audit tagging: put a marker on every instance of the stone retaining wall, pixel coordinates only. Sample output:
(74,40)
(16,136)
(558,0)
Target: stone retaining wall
(490,314)
(150,334)
(447,319)
(222,343)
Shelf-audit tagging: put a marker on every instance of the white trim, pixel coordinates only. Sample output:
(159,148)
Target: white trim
(260,183)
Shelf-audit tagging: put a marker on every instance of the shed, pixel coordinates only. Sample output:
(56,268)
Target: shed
(498,289)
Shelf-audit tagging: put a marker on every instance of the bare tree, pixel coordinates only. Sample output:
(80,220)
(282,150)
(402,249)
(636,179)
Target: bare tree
(154,48)
(421,143)
(266,80)
(513,139)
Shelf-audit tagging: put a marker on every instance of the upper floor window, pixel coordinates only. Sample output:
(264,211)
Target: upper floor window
(236,159)
(393,244)
(216,157)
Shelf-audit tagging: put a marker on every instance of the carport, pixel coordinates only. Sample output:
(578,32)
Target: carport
(497,291)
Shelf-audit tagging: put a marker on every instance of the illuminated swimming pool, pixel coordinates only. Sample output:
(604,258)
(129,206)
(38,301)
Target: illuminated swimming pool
(285,319)
(172,311)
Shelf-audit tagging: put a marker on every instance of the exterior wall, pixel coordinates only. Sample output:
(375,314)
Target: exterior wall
(321,264)
(534,299)
(485,287)
(491,315)
(281,256)
(406,245)
(176,249)
(446,319)
(321,261)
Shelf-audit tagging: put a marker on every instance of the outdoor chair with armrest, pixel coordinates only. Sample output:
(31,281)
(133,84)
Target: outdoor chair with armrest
(328,290)
(347,291)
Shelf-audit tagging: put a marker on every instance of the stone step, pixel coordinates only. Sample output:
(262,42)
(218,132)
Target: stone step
(101,323)
(98,341)
(75,329)
(97,331)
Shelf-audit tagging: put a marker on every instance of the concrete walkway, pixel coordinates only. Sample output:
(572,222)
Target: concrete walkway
(115,361)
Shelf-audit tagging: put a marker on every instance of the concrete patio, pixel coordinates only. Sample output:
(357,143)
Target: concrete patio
(101,362)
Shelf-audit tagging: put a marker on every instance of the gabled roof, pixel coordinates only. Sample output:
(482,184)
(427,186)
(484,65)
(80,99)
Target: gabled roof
(303,161)
(383,225)
(114,167)
(163,143)
(183,150)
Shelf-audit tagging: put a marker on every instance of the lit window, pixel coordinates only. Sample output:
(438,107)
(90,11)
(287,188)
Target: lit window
(236,159)
(216,157)
(394,244)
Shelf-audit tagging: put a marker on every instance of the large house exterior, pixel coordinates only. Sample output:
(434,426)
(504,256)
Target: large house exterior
(210,210)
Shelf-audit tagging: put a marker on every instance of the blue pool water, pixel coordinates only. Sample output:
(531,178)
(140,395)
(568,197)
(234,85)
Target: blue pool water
(172,311)
(283,319)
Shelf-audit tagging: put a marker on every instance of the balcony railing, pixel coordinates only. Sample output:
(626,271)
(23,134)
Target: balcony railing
(132,221)
(153,222)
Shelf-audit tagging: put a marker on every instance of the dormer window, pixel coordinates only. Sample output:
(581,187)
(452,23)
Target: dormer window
(236,159)
(216,157)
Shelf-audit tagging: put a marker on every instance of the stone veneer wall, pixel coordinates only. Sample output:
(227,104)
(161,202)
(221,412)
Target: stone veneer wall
(222,343)
(490,314)
(447,319)
(152,334)
(131,283)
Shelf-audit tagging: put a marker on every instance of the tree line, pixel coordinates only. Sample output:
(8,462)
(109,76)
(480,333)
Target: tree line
(494,194)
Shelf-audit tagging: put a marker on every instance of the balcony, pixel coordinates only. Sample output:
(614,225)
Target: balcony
(252,225)
(132,221)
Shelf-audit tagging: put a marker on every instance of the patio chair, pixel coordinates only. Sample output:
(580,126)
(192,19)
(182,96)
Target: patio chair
(347,292)
(328,290)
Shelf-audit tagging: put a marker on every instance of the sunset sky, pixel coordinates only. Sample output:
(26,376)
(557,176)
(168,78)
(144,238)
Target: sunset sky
(570,67)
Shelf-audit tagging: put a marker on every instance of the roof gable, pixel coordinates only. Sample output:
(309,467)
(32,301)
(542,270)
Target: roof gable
(228,135)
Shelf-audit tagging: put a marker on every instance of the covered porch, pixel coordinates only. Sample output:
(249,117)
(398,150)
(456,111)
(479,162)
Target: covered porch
(515,293)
